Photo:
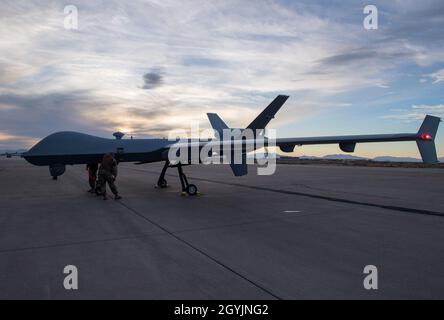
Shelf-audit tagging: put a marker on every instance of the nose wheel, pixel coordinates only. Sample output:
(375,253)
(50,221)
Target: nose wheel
(162,184)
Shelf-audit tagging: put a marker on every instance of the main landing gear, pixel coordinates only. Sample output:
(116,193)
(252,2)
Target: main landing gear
(187,188)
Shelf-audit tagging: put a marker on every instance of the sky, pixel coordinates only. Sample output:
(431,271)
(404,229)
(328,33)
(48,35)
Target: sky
(152,68)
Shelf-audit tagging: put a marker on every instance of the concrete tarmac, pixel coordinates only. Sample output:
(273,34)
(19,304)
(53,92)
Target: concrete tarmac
(306,232)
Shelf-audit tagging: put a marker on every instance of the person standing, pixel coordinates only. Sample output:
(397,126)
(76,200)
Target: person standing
(92,169)
(108,175)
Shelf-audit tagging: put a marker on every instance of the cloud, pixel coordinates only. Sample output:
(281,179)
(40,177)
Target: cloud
(40,114)
(37,115)
(417,112)
(11,142)
(152,79)
(348,57)
(362,56)
(437,76)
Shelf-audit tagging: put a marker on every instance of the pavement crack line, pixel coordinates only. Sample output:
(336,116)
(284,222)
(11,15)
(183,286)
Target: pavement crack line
(200,251)
(76,243)
(313,196)
(334,199)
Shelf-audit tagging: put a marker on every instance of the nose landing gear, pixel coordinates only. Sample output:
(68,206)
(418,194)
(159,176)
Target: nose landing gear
(162,183)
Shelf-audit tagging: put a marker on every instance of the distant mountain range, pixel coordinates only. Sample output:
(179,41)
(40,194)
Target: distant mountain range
(262,155)
(396,159)
(342,157)
(380,158)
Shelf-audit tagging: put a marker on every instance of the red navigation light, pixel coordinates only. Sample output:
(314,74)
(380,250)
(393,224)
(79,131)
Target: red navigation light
(426,136)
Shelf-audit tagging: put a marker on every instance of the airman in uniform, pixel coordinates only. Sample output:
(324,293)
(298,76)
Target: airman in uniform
(107,175)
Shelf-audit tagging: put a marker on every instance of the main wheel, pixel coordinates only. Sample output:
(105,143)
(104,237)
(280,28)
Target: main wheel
(162,183)
(191,190)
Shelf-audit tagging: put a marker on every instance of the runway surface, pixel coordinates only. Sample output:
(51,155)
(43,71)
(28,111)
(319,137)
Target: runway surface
(306,232)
